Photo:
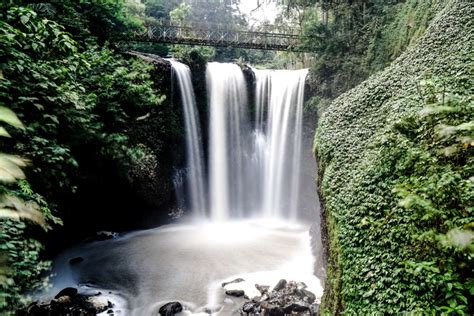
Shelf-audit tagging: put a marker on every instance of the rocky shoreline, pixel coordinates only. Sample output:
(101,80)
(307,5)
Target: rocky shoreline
(285,298)
(70,302)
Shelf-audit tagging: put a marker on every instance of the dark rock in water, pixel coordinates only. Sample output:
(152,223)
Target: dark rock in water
(277,311)
(298,307)
(262,288)
(69,291)
(171,309)
(76,260)
(238,280)
(236,293)
(110,311)
(306,295)
(251,308)
(95,304)
(286,298)
(280,285)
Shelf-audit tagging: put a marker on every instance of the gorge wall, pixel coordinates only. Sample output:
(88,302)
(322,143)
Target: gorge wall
(371,144)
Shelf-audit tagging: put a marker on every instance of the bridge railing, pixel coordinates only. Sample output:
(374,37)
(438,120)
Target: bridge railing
(221,35)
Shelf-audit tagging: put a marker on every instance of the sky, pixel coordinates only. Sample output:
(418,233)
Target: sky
(268,10)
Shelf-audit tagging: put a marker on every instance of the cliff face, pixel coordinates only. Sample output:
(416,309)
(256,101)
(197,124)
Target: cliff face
(380,258)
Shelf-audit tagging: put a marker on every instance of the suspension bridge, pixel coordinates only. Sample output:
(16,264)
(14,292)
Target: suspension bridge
(223,36)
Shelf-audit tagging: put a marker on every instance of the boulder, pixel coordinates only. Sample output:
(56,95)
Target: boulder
(251,308)
(296,307)
(306,295)
(69,291)
(236,293)
(280,285)
(170,309)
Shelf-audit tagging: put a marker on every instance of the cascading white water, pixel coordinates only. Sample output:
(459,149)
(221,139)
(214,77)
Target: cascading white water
(195,167)
(254,168)
(228,123)
(280,95)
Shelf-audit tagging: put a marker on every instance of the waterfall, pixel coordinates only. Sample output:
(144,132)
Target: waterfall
(254,168)
(280,95)
(228,120)
(195,167)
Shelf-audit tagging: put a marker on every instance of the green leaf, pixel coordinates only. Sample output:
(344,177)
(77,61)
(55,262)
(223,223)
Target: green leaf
(9,117)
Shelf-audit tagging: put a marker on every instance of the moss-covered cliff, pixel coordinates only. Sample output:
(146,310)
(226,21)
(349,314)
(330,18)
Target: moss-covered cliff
(396,170)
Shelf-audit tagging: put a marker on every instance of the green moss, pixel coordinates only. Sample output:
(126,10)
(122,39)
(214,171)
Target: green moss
(392,196)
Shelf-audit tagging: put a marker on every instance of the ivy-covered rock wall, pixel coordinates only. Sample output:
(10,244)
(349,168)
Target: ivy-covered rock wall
(396,176)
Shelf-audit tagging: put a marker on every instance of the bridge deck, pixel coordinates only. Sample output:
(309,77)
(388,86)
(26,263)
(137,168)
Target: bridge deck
(221,37)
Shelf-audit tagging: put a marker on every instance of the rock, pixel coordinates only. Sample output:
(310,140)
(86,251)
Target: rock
(264,297)
(69,291)
(236,293)
(76,260)
(63,299)
(262,288)
(307,295)
(110,311)
(238,280)
(251,308)
(280,285)
(96,304)
(170,309)
(298,307)
(301,285)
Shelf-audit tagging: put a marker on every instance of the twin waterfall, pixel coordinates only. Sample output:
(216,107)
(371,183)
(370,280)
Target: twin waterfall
(254,151)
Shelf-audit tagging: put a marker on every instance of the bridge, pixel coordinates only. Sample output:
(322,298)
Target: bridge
(222,36)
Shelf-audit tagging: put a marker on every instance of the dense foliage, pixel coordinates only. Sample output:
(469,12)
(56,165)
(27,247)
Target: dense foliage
(354,39)
(80,103)
(396,157)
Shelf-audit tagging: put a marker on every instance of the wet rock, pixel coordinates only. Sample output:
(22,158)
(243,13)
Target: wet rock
(69,291)
(298,307)
(96,304)
(238,280)
(63,300)
(262,288)
(251,308)
(264,297)
(236,293)
(110,311)
(280,285)
(170,309)
(76,260)
(286,298)
(301,285)
(307,295)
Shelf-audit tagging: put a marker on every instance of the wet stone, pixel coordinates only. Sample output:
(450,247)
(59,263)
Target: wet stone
(236,293)
(238,280)
(69,291)
(280,285)
(170,309)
